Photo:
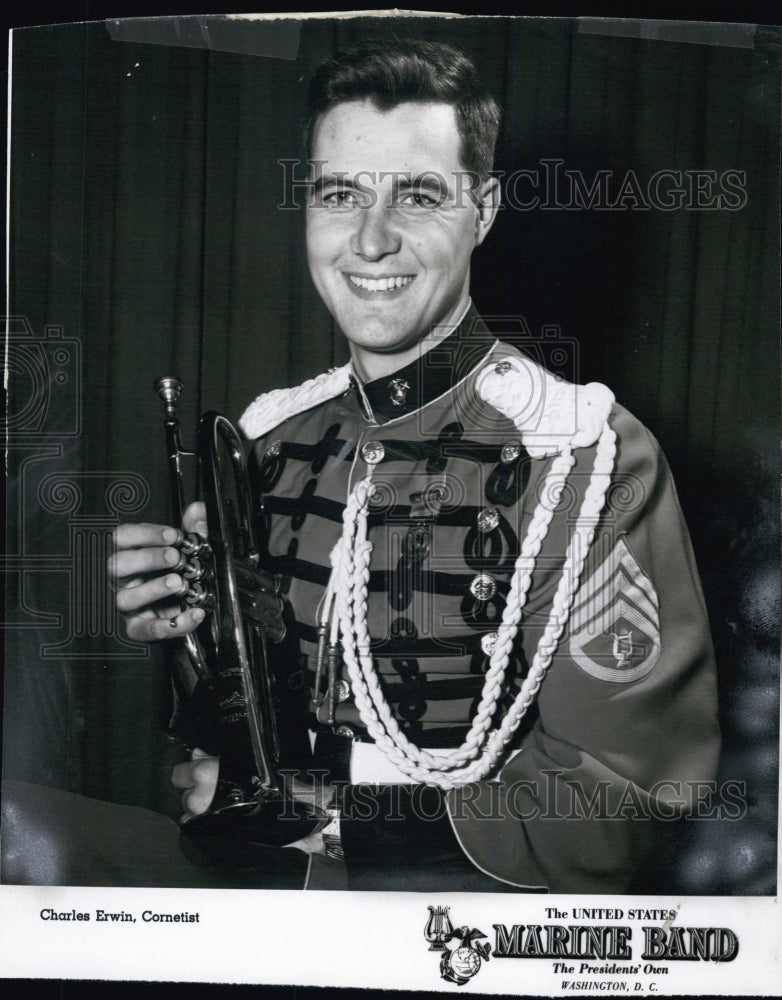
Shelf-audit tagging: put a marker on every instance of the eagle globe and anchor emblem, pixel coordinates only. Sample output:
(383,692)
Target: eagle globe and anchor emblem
(460,957)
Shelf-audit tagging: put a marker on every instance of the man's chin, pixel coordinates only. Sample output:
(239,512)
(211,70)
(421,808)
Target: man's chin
(384,340)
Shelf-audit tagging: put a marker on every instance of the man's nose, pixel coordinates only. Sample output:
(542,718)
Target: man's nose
(375,234)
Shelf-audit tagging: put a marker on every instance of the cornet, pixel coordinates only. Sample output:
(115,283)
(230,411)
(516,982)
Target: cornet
(229,649)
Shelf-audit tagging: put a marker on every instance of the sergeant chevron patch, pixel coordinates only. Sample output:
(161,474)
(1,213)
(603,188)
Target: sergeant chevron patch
(614,627)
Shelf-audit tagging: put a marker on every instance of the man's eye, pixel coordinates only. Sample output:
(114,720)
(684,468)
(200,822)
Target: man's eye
(420,199)
(340,199)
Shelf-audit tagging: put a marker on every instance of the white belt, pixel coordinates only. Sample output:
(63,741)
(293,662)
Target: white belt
(370,766)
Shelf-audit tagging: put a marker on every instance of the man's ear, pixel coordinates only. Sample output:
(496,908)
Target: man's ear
(487,201)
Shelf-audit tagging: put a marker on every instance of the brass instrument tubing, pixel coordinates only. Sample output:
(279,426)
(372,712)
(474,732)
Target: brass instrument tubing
(319,661)
(333,661)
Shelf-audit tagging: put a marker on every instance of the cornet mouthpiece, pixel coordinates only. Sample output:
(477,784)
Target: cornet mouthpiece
(169,388)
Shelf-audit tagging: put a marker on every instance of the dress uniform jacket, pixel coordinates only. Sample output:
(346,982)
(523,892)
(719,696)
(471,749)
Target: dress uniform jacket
(624,723)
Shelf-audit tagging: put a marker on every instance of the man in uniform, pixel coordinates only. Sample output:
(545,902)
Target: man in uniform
(525,677)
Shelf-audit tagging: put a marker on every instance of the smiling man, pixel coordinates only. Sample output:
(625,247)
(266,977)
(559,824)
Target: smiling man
(491,599)
(525,678)
(391,227)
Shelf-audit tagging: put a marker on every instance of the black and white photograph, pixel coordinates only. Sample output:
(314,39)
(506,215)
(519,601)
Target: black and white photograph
(393,519)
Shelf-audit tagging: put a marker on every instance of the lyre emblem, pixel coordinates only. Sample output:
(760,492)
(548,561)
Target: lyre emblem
(438,928)
(622,649)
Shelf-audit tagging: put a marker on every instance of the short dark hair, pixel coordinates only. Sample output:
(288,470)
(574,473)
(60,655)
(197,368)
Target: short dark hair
(397,72)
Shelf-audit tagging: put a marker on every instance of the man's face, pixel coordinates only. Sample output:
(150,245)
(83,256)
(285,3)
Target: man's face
(391,224)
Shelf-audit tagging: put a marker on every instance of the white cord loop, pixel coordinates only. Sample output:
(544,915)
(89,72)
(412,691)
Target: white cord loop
(553,417)
(483,747)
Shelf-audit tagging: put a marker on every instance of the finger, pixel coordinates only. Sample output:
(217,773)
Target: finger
(148,592)
(194,518)
(196,801)
(148,627)
(130,563)
(182,775)
(126,582)
(133,536)
(202,769)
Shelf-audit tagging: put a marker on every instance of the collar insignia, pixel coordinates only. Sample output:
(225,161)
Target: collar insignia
(398,389)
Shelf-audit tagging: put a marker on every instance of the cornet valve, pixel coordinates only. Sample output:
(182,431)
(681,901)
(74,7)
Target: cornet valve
(194,570)
(192,544)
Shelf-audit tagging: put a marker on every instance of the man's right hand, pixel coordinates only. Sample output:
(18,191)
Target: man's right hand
(148,588)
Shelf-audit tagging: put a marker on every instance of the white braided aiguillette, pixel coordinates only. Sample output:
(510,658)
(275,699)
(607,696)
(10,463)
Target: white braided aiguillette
(552,417)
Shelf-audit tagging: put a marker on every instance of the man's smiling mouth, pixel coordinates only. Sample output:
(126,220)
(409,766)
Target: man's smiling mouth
(389,284)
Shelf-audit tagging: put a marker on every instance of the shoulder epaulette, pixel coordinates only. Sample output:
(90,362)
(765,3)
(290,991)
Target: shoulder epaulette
(271,408)
(549,412)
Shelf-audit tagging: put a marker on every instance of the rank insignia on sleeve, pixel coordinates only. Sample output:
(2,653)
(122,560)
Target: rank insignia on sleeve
(614,628)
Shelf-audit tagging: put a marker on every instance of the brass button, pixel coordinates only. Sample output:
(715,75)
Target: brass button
(483,587)
(344,731)
(510,452)
(489,641)
(373,452)
(488,519)
(342,690)
(274,449)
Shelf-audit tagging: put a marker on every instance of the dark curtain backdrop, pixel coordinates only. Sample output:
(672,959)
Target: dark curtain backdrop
(147,237)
